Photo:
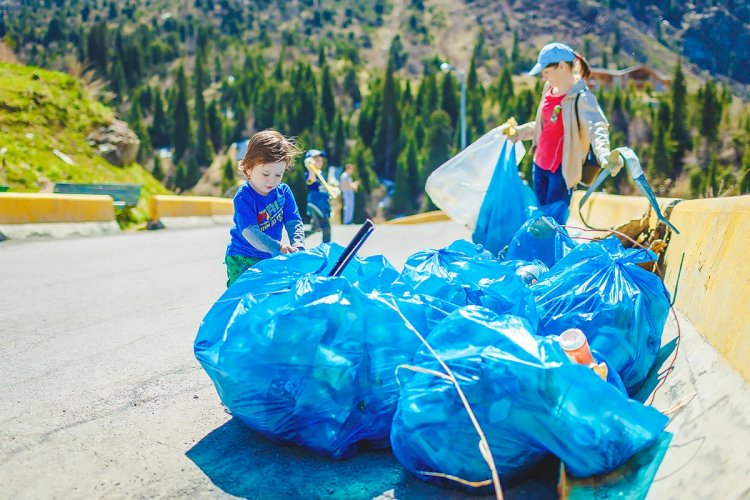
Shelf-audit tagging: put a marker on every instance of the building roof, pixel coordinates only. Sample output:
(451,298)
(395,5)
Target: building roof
(631,69)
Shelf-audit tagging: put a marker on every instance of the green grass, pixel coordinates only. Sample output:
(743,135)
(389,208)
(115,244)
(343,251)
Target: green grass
(43,110)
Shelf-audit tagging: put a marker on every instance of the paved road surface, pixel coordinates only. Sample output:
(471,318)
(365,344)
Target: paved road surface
(100,395)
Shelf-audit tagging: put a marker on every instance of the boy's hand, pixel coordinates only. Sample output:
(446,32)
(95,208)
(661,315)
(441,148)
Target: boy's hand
(287,249)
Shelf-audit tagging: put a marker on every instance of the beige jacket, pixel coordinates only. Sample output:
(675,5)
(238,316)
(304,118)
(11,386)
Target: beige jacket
(594,130)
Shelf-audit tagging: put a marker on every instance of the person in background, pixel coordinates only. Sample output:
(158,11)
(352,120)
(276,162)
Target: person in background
(263,205)
(348,187)
(318,198)
(568,121)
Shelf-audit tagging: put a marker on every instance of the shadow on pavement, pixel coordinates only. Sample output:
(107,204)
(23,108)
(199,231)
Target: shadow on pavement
(246,464)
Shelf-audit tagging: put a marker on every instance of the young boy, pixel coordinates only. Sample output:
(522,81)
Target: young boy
(263,205)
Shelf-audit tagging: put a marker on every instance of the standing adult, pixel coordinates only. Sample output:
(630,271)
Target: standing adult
(348,187)
(568,122)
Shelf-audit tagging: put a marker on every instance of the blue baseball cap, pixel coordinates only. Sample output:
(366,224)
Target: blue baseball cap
(311,153)
(550,54)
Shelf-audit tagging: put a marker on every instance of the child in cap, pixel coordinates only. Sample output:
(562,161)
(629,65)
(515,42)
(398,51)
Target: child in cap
(318,199)
(263,205)
(568,122)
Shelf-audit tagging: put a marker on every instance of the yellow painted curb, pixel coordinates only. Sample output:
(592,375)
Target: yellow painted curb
(714,284)
(35,208)
(436,216)
(607,210)
(189,206)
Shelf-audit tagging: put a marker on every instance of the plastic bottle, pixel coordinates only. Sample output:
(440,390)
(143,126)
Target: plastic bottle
(576,346)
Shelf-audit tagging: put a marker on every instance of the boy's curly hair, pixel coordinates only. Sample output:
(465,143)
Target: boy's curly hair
(269,146)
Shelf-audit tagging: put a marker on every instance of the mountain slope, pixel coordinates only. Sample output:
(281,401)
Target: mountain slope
(45,116)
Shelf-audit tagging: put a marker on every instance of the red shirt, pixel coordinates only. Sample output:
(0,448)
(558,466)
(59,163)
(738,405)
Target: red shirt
(548,153)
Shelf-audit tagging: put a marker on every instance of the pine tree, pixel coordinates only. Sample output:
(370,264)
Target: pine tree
(401,200)
(215,126)
(367,115)
(97,47)
(413,171)
(351,86)
(159,131)
(386,144)
(711,111)
(135,120)
(744,175)
(180,118)
(117,79)
(339,141)
(203,148)
(438,140)
(327,102)
(157,171)
(660,157)
(240,122)
(228,179)
(429,99)
(505,91)
(515,52)
(680,133)
(448,98)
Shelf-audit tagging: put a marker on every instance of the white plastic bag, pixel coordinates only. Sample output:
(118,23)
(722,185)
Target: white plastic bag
(458,186)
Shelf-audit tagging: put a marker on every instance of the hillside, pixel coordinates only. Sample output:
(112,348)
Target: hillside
(45,118)
(363,81)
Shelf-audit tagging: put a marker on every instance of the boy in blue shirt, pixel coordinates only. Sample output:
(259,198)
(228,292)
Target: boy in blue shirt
(263,205)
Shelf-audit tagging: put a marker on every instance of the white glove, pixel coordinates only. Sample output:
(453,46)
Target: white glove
(613,162)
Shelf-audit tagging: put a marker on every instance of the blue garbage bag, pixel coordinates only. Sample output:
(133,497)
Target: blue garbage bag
(506,205)
(475,278)
(311,359)
(622,308)
(540,238)
(528,398)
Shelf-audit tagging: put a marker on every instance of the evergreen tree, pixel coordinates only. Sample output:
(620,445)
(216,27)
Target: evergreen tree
(744,176)
(97,47)
(351,85)
(680,132)
(396,52)
(117,79)
(386,147)
(438,140)
(135,120)
(711,111)
(505,91)
(228,178)
(710,181)
(339,141)
(428,97)
(157,171)
(401,200)
(515,52)
(159,131)
(215,125)
(660,157)
(448,98)
(327,102)
(240,123)
(203,147)
(367,115)
(413,171)
(180,119)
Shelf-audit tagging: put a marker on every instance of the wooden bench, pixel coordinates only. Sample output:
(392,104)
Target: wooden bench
(124,195)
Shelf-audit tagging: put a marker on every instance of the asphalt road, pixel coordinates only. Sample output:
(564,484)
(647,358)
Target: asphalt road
(101,396)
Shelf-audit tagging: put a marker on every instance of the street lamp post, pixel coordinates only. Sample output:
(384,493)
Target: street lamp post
(446,68)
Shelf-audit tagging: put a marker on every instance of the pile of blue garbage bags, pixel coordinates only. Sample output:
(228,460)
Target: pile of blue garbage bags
(329,363)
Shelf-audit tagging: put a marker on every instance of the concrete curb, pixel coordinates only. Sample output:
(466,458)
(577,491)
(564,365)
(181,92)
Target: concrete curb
(189,211)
